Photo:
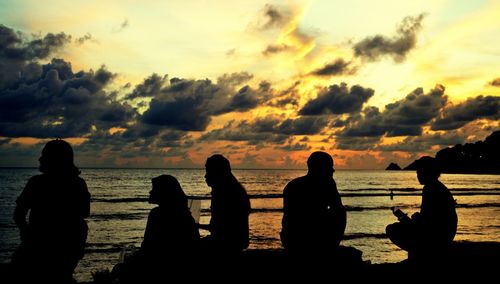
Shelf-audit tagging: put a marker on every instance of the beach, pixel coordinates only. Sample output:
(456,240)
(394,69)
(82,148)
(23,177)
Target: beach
(119,209)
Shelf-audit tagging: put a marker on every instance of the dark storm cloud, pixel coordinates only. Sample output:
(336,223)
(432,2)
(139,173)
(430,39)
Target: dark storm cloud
(268,129)
(495,82)
(337,67)
(405,117)
(174,138)
(299,126)
(125,24)
(338,100)
(150,87)
(274,49)
(294,147)
(373,48)
(17,54)
(183,113)
(55,102)
(234,79)
(456,116)
(288,97)
(424,143)
(243,132)
(245,99)
(50,100)
(274,17)
(142,140)
(356,143)
(85,38)
(369,124)
(190,104)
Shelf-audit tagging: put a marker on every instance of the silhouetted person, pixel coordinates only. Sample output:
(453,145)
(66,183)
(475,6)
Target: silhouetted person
(171,238)
(428,233)
(230,208)
(314,218)
(53,238)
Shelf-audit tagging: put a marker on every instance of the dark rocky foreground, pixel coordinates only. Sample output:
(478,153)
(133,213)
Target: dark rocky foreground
(466,260)
(477,261)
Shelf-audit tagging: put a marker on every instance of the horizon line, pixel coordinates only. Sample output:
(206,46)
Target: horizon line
(181,168)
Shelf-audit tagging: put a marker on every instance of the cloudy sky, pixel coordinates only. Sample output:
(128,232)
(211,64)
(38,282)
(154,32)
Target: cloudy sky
(167,83)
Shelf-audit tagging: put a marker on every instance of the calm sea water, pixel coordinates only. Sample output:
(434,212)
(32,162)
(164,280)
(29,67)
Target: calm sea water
(120,208)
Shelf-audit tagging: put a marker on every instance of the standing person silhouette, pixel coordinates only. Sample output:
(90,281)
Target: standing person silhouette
(428,233)
(53,238)
(230,208)
(314,218)
(170,239)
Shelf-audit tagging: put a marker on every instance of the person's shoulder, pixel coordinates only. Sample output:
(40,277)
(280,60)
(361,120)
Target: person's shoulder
(80,180)
(37,178)
(296,184)
(439,187)
(155,213)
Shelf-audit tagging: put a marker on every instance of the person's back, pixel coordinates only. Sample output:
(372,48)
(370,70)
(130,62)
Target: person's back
(169,234)
(438,215)
(56,203)
(230,208)
(314,218)
(229,225)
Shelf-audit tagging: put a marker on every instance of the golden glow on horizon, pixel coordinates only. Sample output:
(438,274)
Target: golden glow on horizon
(30,141)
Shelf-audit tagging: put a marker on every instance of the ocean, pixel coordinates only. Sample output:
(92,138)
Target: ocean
(119,208)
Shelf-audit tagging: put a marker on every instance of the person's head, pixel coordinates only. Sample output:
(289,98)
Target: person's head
(320,164)
(428,170)
(57,157)
(217,169)
(167,190)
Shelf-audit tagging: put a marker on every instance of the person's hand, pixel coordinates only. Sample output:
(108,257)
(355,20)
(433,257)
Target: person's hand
(416,216)
(203,226)
(24,233)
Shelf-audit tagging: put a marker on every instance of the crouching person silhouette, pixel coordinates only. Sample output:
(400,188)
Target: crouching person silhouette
(428,234)
(53,238)
(170,240)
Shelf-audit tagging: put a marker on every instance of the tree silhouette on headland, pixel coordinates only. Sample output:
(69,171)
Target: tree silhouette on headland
(481,157)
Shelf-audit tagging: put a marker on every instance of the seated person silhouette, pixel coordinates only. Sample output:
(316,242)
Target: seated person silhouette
(230,208)
(428,233)
(314,218)
(53,238)
(171,237)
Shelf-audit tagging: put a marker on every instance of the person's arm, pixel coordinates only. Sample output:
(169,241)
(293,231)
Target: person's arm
(20,213)
(339,215)
(85,202)
(203,226)
(285,222)
(23,206)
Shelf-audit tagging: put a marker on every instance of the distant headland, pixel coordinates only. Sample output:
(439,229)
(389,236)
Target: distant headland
(481,157)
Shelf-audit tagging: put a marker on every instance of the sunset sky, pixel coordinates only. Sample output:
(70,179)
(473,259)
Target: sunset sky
(168,83)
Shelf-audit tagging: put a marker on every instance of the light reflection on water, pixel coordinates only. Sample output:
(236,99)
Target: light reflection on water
(120,208)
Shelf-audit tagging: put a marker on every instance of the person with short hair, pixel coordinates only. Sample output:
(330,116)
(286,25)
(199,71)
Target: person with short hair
(314,218)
